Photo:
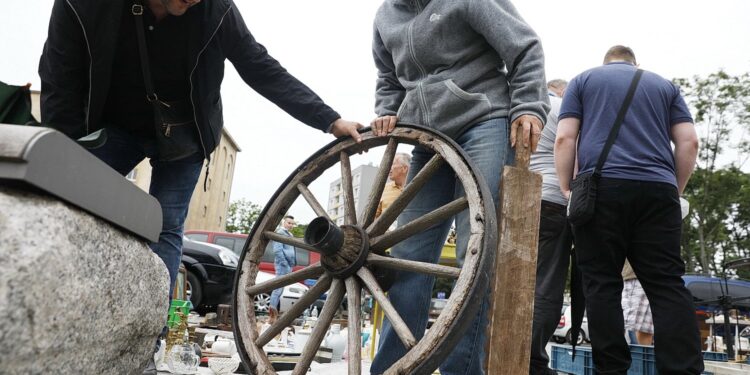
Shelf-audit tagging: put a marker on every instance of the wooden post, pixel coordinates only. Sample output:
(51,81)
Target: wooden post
(512,300)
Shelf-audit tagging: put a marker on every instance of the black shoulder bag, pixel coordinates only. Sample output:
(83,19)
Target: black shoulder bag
(175,134)
(584,187)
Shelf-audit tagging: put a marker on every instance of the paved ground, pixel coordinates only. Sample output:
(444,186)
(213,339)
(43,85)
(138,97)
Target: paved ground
(339,368)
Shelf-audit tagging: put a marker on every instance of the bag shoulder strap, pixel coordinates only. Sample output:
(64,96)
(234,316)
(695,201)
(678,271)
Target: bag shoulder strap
(148,82)
(618,122)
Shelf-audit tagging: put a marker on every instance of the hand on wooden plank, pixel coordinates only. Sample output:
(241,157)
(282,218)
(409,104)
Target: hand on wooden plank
(526,129)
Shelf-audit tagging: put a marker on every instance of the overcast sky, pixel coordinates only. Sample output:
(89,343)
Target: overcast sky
(326,44)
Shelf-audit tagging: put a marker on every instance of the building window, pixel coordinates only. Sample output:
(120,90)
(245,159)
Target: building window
(205,209)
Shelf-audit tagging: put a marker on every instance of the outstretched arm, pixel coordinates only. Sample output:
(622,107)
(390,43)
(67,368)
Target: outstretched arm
(266,76)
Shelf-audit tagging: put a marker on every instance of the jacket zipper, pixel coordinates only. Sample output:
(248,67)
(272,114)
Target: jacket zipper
(192,102)
(91,63)
(413,54)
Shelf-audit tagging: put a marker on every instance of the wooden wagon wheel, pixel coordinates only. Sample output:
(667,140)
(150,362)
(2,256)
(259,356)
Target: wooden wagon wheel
(352,255)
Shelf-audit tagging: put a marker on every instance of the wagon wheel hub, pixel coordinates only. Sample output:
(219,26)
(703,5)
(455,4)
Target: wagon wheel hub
(343,249)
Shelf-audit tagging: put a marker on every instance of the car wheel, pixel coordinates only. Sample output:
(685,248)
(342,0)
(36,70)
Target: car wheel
(194,289)
(558,339)
(569,337)
(262,302)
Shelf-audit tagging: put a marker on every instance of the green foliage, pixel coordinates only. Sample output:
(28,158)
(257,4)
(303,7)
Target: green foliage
(299,230)
(721,108)
(719,190)
(241,216)
(719,220)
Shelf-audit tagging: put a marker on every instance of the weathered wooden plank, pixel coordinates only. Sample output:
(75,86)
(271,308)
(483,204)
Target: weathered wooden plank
(353,295)
(512,306)
(379,184)
(413,266)
(312,201)
(350,213)
(401,233)
(321,327)
(411,189)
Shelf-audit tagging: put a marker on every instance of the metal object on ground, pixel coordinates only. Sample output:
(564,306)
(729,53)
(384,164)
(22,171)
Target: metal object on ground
(47,160)
(341,270)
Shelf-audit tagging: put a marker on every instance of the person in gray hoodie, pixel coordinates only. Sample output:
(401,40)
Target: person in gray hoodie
(467,68)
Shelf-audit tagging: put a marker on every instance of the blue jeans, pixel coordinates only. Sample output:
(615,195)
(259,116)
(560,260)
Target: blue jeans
(282,268)
(172,184)
(488,148)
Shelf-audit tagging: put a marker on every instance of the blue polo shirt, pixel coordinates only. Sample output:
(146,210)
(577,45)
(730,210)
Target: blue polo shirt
(642,150)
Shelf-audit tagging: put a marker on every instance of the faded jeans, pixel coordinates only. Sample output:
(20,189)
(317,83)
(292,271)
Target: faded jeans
(487,146)
(172,184)
(282,268)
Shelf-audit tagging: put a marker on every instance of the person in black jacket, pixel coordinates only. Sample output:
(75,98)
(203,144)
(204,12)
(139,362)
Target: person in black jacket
(92,78)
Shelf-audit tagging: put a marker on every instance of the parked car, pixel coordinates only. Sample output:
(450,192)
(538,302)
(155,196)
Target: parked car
(290,295)
(564,333)
(236,242)
(210,273)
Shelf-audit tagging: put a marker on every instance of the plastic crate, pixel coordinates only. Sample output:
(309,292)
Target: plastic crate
(715,356)
(562,360)
(643,360)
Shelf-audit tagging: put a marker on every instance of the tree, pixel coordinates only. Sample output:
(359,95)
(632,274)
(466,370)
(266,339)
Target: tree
(718,191)
(718,227)
(242,215)
(299,230)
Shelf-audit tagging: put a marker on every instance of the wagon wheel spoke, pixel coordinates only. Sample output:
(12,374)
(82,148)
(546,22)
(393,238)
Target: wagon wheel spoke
(441,214)
(316,337)
(296,310)
(368,214)
(350,213)
(353,295)
(402,330)
(311,200)
(413,266)
(385,220)
(310,272)
(273,236)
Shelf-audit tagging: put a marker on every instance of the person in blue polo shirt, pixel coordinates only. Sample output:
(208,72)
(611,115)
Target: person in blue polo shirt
(637,209)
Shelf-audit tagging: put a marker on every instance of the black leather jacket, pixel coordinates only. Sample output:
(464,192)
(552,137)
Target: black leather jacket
(76,66)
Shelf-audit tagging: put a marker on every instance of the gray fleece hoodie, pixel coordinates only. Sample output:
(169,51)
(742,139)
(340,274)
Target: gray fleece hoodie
(449,64)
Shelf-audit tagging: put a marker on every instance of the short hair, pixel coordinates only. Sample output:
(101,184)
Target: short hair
(619,52)
(557,83)
(288,217)
(403,159)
